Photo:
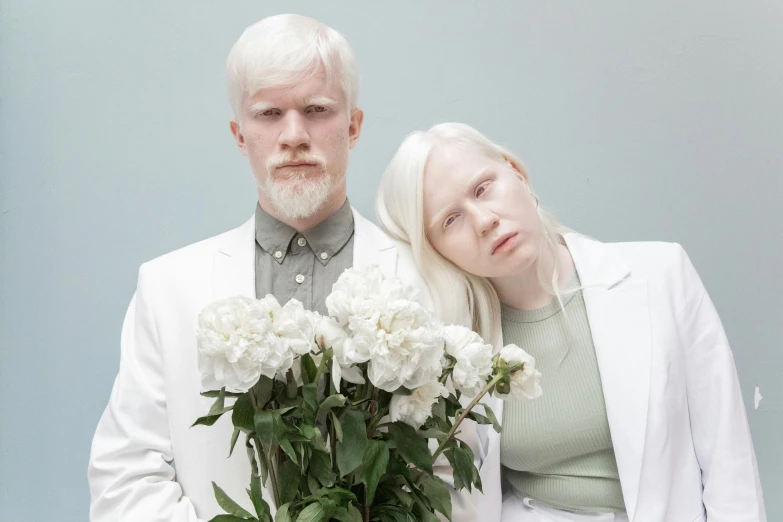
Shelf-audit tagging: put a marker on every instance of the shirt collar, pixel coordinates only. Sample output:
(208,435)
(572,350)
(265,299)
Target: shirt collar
(325,239)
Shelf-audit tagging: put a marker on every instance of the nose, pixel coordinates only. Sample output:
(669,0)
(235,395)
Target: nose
(484,219)
(294,133)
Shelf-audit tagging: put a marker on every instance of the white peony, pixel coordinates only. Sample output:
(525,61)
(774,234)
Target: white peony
(237,343)
(408,358)
(386,327)
(330,334)
(473,359)
(416,408)
(524,383)
(296,327)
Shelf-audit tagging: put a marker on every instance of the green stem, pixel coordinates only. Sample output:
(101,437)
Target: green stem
(272,470)
(322,366)
(461,418)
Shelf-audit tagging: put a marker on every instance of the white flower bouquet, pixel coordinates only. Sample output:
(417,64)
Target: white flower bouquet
(337,411)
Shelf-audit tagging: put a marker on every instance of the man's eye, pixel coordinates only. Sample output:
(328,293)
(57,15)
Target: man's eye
(269,112)
(317,108)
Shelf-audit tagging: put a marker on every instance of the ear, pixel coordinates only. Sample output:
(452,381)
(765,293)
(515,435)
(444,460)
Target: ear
(236,131)
(355,127)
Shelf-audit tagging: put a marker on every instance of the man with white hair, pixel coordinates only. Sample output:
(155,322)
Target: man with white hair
(292,83)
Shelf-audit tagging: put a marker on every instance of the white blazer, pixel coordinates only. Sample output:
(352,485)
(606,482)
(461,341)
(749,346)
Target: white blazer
(147,464)
(675,410)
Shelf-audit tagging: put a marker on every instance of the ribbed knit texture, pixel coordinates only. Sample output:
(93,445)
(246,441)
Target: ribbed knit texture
(557,449)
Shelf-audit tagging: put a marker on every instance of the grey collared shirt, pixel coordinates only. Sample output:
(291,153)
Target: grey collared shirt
(305,265)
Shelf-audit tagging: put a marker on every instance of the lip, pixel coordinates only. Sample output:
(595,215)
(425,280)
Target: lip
(502,241)
(297,164)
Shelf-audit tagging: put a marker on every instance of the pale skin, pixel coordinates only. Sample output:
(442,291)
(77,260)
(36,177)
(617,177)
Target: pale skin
(289,122)
(481,215)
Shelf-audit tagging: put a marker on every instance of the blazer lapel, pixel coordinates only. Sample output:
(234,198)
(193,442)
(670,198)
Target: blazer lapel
(372,247)
(234,264)
(618,313)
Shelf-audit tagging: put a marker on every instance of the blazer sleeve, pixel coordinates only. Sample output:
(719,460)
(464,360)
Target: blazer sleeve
(130,473)
(719,425)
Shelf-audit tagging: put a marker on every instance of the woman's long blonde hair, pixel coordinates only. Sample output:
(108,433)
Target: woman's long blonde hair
(399,206)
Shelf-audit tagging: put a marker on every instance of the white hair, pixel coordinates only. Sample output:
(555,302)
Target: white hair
(287,49)
(399,207)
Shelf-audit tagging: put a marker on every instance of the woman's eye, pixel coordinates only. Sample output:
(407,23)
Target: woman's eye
(481,188)
(450,220)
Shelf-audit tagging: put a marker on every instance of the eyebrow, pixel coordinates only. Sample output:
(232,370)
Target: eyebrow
(318,100)
(473,179)
(259,107)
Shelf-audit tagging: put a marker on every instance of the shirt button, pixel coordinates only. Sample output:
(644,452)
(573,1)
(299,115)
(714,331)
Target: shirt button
(301,241)
(299,278)
(278,254)
(324,256)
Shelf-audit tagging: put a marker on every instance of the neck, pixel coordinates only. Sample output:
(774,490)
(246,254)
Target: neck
(524,291)
(332,205)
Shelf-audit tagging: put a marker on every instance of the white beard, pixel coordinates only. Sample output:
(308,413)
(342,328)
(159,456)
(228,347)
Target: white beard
(298,196)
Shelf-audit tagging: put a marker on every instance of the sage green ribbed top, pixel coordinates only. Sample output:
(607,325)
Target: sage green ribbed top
(557,449)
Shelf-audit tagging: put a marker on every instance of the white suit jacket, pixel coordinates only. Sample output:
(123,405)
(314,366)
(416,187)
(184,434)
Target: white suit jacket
(147,464)
(676,415)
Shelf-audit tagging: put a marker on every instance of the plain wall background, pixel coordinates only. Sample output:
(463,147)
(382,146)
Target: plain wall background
(653,121)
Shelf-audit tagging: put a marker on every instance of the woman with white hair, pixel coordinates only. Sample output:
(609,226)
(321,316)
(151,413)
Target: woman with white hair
(642,417)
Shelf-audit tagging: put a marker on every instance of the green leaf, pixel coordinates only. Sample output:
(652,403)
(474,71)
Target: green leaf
(270,428)
(242,417)
(374,462)
(288,449)
(257,498)
(261,461)
(413,448)
(209,420)
(405,498)
(288,481)
(234,438)
(308,369)
(470,456)
(336,493)
(338,428)
(488,411)
(351,450)
(312,485)
(438,494)
(333,401)
(329,507)
(342,514)
(462,466)
(282,514)
(219,403)
(313,513)
(321,468)
(479,418)
(432,433)
(228,505)
(310,395)
(355,514)
(398,467)
(423,513)
(229,518)
(439,409)
(214,393)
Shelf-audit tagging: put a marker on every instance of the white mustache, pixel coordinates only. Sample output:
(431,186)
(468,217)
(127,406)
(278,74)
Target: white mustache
(276,162)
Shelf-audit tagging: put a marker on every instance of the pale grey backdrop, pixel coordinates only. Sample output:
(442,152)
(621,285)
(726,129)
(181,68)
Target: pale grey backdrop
(659,121)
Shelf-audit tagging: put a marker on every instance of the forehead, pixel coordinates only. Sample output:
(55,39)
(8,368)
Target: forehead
(316,85)
(449,175)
